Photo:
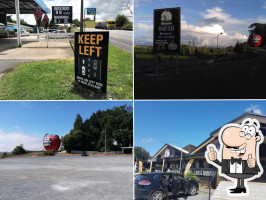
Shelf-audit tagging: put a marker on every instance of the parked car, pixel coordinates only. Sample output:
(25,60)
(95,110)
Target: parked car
(148,185)
(58,34)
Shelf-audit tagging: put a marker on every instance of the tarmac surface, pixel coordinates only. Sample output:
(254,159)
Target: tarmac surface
(67,177)
(119,38)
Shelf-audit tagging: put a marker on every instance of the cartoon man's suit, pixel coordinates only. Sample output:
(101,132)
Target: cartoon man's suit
(238,157)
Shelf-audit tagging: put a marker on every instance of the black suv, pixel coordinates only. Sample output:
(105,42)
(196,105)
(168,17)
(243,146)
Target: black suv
(149,186)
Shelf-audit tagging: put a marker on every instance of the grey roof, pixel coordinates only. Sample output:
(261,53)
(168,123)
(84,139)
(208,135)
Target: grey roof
(26,6)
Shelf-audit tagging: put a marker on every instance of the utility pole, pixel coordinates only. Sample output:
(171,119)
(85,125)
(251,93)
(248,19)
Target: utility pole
(217,42)
(105,141)
(81,17)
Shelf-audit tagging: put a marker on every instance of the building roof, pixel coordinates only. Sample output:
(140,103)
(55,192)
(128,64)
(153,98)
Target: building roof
(26,6)
(238,120)
(166,145)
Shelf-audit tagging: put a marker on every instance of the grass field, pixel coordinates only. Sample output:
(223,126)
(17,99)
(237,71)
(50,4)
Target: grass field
(54,80)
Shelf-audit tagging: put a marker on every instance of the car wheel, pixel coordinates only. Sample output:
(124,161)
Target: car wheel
(157,195)
(193,190)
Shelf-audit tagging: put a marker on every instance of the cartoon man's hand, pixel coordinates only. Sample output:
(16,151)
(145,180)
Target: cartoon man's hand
(251,162)
(212,154)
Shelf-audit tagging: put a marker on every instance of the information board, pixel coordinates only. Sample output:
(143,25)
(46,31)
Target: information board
(62,14)
(91,59)
(166,30)
(91,11)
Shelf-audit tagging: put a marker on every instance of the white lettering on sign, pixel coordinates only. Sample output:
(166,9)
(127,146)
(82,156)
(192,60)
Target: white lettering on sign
(61,8)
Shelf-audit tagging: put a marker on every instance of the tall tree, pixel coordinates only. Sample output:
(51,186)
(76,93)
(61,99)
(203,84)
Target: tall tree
(121,20)
(78,122)
(141,154)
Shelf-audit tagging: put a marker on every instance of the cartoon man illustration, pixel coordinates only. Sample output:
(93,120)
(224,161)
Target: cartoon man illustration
(238,157)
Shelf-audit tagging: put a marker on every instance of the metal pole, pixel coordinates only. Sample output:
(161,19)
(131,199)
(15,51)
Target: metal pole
(156,63)
(81,17)
(177,70)
(84,20)
(18,22)
(217,46)
(105,141)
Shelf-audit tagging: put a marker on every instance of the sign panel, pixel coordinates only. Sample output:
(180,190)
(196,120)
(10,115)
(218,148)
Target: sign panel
(91,11)
(91,58)
(62,14)
(166,30)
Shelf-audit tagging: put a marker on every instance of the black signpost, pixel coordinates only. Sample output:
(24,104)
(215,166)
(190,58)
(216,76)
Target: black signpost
(91,59)
(166,32)
(62,14)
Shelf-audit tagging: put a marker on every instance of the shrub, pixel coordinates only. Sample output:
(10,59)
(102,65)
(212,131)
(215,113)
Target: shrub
(192,176)
(128,25)
(49,153)
(19,150)
(4,155)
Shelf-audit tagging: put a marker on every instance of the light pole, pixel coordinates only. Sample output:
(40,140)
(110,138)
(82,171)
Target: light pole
(81,16)
(217,42)
(181,155)
(105,141)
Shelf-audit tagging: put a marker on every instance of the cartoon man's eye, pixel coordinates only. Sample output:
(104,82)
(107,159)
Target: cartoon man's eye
(242,133)
(248,136)
(245,129)
(251,131)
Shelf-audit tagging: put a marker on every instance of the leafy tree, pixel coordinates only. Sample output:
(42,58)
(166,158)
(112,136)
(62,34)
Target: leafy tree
(76,22)
(19,150)
(259,29)
(121,20)
(116,124)
(78,122)
(141,154)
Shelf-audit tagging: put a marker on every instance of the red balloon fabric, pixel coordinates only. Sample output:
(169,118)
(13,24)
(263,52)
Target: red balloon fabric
(254,40)
(51,142)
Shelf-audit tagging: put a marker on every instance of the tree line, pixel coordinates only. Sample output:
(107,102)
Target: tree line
(115,124)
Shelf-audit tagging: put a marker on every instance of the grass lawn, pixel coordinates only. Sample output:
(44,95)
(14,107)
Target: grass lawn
(55,80)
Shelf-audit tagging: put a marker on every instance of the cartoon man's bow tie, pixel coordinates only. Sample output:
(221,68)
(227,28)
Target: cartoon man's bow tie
(233,160)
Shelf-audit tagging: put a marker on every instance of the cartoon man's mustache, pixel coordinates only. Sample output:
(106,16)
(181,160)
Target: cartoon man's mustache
(230,147)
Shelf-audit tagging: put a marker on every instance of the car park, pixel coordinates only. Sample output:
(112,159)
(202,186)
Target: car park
(148,185)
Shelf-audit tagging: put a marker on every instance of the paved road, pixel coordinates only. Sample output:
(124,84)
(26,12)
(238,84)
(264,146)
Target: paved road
(119,38)
(66,177)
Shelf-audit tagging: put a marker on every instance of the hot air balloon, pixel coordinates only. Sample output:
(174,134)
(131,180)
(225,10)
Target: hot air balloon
(51,142)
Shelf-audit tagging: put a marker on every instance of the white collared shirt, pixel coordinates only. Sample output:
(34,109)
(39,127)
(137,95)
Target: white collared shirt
(236,168)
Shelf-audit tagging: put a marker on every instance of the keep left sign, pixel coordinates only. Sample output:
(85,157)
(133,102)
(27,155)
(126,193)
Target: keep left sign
(91,59)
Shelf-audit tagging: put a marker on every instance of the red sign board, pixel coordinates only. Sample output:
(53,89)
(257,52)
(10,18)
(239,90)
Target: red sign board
(254,40)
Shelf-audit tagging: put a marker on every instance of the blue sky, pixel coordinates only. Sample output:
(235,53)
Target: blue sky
(188,122)
(202,20)
(26,122)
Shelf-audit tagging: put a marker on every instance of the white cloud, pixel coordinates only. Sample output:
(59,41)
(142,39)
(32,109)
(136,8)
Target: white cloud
(256,109)
(106,9)
(148,140)
(8,141)
(214,21)
(264,5)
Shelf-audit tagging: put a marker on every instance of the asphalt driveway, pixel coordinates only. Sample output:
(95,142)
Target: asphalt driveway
(66,177)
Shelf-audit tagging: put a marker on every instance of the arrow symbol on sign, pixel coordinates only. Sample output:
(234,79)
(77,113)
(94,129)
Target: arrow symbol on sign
(83,61)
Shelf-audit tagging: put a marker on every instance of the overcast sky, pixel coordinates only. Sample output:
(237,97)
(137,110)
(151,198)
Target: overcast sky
(106,9)
(203,20)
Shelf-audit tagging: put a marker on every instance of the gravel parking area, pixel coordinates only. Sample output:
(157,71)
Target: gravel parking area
(67,177)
